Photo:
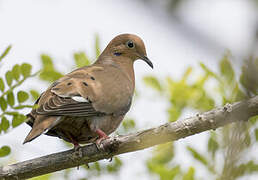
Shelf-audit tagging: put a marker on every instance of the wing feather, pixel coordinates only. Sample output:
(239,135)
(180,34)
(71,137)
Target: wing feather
(57,106)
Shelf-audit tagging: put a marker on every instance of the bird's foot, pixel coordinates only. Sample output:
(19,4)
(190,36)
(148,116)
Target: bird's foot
(99,143)
(76,147)
(87,165)
(77,150)
(110,159)
(102,136)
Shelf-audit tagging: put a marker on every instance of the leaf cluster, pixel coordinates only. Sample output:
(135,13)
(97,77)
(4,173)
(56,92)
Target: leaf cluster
(13,100)
(232,140)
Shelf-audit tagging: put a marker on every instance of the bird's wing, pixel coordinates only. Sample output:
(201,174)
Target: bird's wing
(72,95)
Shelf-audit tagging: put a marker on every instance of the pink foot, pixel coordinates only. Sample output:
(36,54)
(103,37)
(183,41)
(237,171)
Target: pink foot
(76,145)
(102,136)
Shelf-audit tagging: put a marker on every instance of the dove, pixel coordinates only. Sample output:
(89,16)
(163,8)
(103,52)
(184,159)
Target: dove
(89,103)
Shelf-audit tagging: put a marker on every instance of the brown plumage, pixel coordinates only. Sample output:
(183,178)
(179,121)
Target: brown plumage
(90,102)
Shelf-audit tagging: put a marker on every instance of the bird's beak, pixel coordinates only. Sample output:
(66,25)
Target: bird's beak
(146,59)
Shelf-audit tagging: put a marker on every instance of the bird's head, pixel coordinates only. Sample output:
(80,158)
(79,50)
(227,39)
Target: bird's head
(127,46)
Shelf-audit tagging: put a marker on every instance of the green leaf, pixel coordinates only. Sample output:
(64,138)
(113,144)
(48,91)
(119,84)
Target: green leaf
(34,94)
(97,166)
(5,52)
(115,166)
(48,72)
(47,62)
(256,134)
(43,177)
(165,172)
(2,84)
(50,76)
(97,46)
(253,119)
(174,113)
(3,104)
(81,59)
(197,156)
(4,151)
(26,69)
(12,113)
(128,124)
(22,96)
(245,168)
(213,145)
(163,153)
(10,98)
(9,78)
(226,69)
(153,82)
(16,71)
(189,175)
(187,73)
(5,124)
(247,139)
(17,120)
(208,71)
(247,78)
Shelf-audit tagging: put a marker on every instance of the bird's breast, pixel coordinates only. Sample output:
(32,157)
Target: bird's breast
(114,93)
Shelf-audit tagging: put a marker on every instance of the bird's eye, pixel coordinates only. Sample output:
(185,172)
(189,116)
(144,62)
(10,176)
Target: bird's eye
(130,44)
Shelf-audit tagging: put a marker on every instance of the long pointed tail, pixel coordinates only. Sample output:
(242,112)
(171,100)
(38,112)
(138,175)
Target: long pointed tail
(40,125)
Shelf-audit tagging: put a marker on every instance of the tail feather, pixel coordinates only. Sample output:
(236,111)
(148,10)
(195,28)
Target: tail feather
(44,123)
(32,135)
(30,119)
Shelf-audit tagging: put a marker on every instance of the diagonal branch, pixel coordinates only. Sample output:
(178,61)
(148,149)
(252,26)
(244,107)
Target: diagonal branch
(239,111)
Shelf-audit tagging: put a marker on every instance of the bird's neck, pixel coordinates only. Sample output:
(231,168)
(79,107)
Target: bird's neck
(127,67)
(125,64)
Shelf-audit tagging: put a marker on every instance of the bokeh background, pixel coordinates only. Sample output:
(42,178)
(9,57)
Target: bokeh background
(178,34)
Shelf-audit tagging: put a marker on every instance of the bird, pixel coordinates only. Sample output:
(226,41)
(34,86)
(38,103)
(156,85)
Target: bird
(89,103)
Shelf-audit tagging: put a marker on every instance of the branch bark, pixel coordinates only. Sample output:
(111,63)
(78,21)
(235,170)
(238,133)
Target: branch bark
(239,111)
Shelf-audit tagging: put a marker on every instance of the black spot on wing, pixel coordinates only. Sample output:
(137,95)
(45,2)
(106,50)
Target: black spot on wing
(56,89)
(84,83)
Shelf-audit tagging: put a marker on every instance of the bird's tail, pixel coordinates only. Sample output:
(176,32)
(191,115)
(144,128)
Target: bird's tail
(44,123)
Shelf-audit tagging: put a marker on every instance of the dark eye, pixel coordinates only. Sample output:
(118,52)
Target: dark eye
(130,44)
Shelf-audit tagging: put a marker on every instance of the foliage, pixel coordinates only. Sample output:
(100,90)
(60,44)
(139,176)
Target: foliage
(232,140)
(13,100)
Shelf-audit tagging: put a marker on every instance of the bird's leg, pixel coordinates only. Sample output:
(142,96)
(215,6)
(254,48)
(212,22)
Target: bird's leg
(76,148)
(102,136)
(87,165)
(76,145)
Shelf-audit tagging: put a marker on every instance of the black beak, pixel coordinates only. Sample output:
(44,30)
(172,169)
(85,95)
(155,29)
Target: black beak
(146,59)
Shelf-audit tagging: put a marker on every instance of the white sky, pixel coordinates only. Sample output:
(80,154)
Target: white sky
(60,28)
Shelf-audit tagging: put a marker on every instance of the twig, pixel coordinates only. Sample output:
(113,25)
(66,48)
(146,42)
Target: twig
(17,84)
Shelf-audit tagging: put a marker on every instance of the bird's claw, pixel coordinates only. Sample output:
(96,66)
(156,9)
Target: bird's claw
(76,147)
(110,159)
(87,165)
(99,143)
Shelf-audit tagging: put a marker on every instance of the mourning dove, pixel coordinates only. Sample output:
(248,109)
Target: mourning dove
(89,103)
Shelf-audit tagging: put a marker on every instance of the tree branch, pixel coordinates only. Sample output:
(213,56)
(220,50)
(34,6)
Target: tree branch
(239,111)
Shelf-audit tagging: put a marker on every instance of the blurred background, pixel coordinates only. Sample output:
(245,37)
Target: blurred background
(204,54)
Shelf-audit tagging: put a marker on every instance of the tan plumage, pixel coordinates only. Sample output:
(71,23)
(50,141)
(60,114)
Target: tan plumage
(91,101)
